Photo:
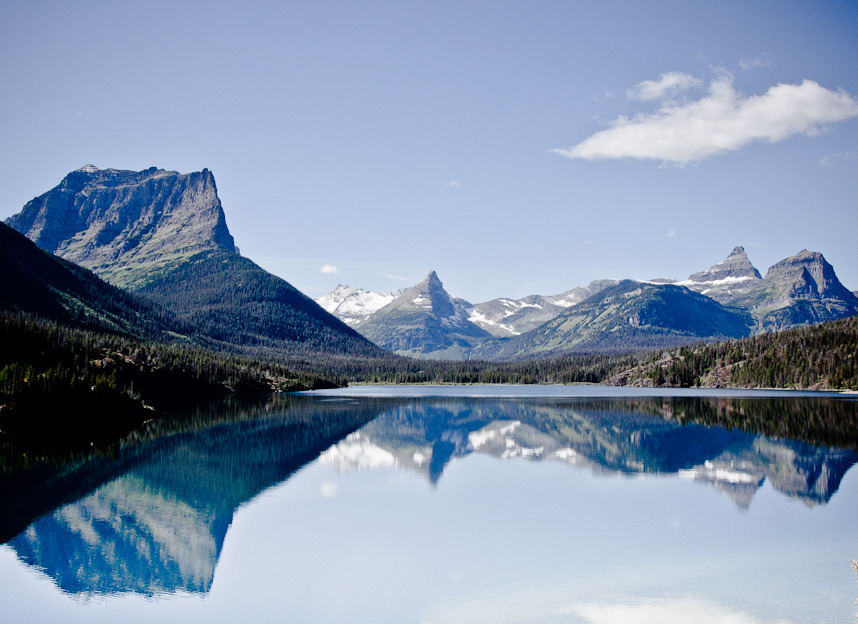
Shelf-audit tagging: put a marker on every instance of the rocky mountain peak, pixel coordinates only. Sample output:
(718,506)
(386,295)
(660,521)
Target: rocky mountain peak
(429,293)
(114,222)
(735,266)
(810,274)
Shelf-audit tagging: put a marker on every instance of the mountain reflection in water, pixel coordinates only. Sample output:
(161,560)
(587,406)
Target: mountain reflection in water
(154,519)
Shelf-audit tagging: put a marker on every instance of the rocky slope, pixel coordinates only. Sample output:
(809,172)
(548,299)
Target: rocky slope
(425,322)
(511,317)
(630,315)
(127,225)
(798,290)
(735,267)
(163,236)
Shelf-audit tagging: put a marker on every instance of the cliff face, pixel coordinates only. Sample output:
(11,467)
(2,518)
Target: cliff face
(798,290)
(810,274)
(736,266)
(127,225)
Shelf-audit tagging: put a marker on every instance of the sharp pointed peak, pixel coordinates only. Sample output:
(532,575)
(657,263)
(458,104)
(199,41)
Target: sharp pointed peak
(431,278)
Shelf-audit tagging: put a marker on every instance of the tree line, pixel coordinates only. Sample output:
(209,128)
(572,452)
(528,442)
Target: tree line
(815,357)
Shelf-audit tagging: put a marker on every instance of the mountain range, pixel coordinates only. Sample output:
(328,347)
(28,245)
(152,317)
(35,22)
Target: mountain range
(149,253)
(729,300)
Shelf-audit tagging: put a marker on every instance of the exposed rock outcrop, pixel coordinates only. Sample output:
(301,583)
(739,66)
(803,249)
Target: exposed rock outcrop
(425,321)
(127,225)
(735,266)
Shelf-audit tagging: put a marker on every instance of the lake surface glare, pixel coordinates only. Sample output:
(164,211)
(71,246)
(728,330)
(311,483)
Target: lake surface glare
(573,504)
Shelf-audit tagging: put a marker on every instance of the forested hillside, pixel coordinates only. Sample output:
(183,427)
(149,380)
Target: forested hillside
(816,357)
(71,387)
(229,299)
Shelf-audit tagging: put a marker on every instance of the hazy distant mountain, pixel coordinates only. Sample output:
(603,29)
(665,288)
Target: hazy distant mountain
(424,321)
(511,317)
(728,300)
(798,290)
(628,315)
(163,235)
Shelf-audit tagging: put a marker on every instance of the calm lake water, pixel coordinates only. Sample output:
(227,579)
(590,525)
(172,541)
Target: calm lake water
(476,504)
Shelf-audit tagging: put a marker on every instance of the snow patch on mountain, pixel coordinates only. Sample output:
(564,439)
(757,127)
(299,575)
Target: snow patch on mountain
(354,305)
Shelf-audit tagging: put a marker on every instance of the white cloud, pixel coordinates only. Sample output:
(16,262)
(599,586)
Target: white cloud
(720,122)
(330,269)
(829,160)
(453,184)
(758,61)
(398,278)
(667,86)
(671,233)
(661,612)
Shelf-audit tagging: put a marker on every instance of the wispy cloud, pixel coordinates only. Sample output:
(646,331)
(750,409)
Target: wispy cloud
(668,86)
(722,121)
(671,233)
(390,276)
(453,184)
(761,60)
(660,612)
(829,160)
(329,269)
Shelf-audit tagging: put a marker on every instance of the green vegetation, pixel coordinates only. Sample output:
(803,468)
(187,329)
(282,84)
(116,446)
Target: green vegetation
(816,357)
(235,305)
(578,368)
(63,390)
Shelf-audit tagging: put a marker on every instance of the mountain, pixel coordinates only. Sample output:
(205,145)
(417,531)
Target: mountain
(511,317)
(799,290)
(37,282)
(734,268)
(424,321)
(127,225)
(163,236)
(629,315)
(355,305)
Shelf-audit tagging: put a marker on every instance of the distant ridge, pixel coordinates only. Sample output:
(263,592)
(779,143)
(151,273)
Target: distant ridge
(799,290)
(730,299)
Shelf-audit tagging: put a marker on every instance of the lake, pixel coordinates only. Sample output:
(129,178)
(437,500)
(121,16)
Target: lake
(578,504)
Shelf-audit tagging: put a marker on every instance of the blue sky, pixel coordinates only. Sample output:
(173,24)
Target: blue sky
(515,147)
